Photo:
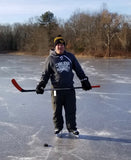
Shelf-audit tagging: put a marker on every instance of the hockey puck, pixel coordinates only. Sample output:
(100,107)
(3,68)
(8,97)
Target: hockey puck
(46,145)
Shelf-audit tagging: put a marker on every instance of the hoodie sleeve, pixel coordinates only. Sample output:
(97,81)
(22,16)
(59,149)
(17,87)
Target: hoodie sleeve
(46,72)
(78,69)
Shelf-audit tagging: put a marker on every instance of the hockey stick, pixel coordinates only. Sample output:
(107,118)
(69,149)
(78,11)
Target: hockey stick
(51,89)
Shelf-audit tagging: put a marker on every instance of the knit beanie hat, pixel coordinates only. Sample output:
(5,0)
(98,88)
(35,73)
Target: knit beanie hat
(59,39)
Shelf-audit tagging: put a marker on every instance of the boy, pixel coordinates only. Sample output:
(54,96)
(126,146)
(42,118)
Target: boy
(58,67)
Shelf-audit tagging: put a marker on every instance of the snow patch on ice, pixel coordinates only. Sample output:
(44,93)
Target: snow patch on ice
(110,93)
(96,133)
(121,79)
(24,158)
(5,69)
(1,98)
(84,132)
(116,78)
(103,133)
(34,138)
(90,69)
(78,97)
(5,124)
(2,102)
(42,63)
(21,79)
(106,97)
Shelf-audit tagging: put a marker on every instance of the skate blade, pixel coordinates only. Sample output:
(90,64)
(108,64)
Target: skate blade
(59,135)
(73,135)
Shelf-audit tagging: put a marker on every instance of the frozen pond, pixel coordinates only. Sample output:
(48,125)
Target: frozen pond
(103,114)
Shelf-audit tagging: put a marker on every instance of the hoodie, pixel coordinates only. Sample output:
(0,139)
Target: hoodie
(59,69)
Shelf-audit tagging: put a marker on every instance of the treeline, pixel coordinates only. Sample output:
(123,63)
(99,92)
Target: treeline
(99,34)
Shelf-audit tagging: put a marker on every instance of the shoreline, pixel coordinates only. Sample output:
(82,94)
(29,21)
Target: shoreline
(76,55)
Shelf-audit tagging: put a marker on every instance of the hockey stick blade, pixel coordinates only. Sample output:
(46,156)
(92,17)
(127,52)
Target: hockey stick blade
(33,90)
(19,88)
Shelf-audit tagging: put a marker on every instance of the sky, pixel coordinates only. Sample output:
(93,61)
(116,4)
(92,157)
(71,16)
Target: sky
(20,11)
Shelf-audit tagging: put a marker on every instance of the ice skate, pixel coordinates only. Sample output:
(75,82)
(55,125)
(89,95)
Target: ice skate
(58,132)
(75,133)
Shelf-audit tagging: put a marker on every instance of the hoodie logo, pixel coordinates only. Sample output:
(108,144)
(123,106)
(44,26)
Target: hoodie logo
(63,66)
(61,58)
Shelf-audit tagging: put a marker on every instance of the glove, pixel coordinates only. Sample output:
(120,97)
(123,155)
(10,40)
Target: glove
(86,84)
(40,88)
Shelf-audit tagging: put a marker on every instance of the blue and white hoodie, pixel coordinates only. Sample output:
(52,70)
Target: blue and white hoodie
(59,69)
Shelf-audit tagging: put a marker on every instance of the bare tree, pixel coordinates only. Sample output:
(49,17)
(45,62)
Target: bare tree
(110,24)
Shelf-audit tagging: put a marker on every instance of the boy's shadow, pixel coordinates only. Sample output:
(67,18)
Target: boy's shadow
(100,138)
(96,138)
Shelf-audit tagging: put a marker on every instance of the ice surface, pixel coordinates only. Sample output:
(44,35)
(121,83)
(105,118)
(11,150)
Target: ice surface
(103,114)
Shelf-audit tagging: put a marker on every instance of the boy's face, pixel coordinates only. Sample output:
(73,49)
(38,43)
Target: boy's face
(59,48)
